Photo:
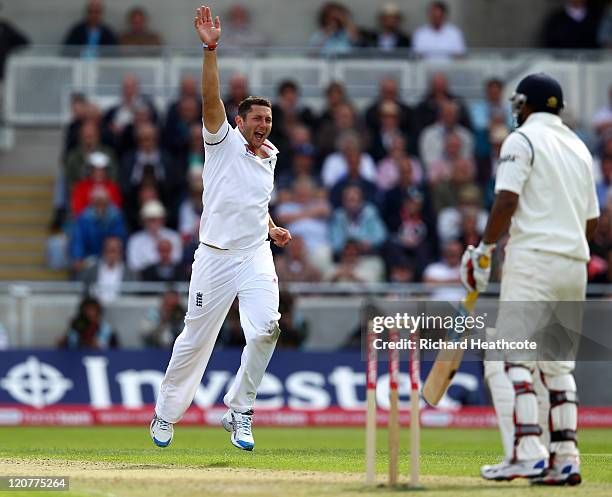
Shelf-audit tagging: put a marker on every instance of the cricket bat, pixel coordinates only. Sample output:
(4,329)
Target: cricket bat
(447,361)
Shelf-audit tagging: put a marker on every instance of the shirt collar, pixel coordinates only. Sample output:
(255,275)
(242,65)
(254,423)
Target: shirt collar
(268,146)
(544,117)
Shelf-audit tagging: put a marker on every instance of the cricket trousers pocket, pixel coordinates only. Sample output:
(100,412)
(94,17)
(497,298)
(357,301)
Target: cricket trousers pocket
(538,287)
(218,276)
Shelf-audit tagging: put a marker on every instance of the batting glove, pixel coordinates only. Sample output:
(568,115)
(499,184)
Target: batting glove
(476,266)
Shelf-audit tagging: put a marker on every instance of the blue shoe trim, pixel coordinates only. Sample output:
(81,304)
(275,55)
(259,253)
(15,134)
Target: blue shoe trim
(566,469)
(245,445)
(161,444)
(540,464)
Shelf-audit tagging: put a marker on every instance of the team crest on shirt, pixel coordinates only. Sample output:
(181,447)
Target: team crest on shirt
(199,299)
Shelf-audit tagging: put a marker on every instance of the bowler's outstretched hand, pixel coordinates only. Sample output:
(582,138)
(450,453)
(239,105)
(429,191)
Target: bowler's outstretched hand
(208,31)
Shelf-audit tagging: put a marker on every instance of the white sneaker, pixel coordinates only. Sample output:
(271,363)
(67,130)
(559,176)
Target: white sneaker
(509,470)
(239,425)
(565,471)
(161,431)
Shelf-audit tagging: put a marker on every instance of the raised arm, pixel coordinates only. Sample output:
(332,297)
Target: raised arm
(209,32)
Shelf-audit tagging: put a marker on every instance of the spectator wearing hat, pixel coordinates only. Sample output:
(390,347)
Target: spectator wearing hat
(91,33)
(97,222)
(105,277)
(77,166)
(139,33)
(390,36)
(438,39)
(142,247)
(98,176)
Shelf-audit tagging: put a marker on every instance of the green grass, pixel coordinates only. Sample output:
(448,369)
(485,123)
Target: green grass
(444,452)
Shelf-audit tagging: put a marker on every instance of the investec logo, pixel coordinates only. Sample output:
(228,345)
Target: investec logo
(35,383)
(38,384)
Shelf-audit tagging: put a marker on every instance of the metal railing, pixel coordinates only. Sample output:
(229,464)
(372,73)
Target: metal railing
(41,79)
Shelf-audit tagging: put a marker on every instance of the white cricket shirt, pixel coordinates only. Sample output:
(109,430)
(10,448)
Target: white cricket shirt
(238,187)
(551,170)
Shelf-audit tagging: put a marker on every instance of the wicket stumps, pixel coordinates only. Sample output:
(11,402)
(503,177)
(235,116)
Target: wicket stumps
(393,419)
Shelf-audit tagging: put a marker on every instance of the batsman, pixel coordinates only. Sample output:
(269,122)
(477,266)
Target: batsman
(546,197)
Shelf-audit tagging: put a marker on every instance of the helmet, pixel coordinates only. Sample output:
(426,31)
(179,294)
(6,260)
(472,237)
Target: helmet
(541,92)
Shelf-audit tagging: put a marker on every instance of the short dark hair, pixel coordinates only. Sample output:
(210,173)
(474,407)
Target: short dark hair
(287,84)
(439,5)
(137,10)
(245,106)
(494,81)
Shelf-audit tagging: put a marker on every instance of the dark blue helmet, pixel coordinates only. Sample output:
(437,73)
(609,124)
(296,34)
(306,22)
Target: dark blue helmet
(541,92)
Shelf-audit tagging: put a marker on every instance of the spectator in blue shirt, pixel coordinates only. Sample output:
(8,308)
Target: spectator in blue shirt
(99,221)
(337,34)
(357,221)
(91,33)
(484,111)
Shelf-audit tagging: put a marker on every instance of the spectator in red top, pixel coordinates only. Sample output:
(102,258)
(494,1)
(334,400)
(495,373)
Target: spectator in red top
(98,176)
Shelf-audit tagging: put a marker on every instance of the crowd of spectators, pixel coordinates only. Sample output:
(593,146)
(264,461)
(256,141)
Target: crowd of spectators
(380,195)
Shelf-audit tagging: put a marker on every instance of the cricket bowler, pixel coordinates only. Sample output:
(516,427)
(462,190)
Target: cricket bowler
(546,195)
(233,258)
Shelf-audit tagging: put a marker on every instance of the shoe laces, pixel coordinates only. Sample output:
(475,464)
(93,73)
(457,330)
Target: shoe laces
(243,423)
(163,424)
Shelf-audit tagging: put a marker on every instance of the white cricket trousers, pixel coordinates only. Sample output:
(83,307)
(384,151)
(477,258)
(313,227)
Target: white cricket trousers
(541,279)
(218,276)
